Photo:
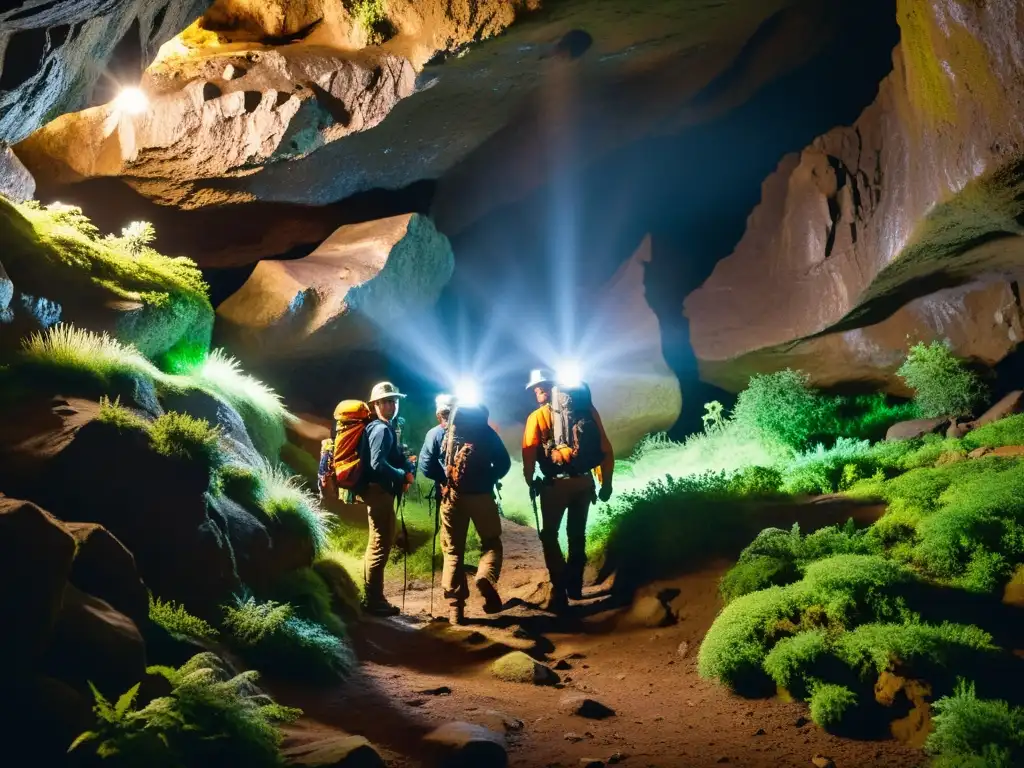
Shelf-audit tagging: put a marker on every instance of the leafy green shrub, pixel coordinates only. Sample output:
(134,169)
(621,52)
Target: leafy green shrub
(272,638)
(755,573)
(124,419)
(975,732)
(208,718)
(182,436)
(756,482)
(780,406)
(822,470)
(285,500)
(830,703)
(942,384)
(923,648)
(1008,431)
(862,417)
(178,621)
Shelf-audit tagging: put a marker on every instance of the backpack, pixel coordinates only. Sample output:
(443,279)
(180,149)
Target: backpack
(350,420)
(325,472)
(464,458)
(574,430)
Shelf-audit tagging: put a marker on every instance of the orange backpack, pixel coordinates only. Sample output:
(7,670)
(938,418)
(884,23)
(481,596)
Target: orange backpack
(350,420)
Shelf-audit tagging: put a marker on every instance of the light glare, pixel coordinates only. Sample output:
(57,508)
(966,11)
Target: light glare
(467,393)
(569,373)
(131,100)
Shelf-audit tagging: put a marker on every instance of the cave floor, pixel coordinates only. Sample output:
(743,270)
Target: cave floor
(638,659)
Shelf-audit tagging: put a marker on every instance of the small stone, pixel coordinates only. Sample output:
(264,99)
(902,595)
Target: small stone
(759,732)
(562,664)
(475,638)
(416,702)
(821,761)
(573,737)
(801,722)
(229,72)
(616,758)
(583,706)
(576,655)
(441,690)
(620,677)
(683,649)
(591,762)
(499,721)
(722,759)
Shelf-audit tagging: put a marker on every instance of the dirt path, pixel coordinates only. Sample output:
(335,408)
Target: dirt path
(640,660)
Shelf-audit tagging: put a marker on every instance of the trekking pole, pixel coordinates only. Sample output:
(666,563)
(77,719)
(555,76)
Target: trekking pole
(533,503)
(497,492)
(405,550)
(436,510)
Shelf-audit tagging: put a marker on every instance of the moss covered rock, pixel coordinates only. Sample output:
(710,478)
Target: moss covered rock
(517,667)
(62,270)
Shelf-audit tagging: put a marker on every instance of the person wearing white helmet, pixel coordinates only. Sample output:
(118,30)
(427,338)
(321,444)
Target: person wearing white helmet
(387,473)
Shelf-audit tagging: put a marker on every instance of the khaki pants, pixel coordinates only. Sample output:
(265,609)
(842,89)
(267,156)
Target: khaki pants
(572,494)
(380,508)
(456,514)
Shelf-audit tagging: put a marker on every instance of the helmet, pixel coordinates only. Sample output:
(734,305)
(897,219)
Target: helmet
(443,402)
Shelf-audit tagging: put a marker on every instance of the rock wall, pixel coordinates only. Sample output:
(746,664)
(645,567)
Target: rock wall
(920,194)
(53,53)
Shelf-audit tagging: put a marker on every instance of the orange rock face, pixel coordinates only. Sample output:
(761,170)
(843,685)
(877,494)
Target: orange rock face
(903,227)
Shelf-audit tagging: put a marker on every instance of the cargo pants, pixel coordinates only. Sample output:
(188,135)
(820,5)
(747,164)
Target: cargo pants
(457,511)
(571,495)
(380,508)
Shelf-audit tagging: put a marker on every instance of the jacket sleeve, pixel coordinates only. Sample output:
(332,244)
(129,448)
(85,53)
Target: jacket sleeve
(501,462)
(607,468)
(382,446)
(430,457)
(531,442)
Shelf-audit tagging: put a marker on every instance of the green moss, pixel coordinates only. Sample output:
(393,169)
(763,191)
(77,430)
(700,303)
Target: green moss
(117,415)
(1008,431)
(830,704)
(928,86)
(56,249)
(184,437)
(975,733)
(310,597)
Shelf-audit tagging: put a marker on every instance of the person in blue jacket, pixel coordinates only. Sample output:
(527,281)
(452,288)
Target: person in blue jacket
(468,496)
(387,473)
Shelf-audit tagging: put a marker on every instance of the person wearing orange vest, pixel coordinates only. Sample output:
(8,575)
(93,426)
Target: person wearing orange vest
(561,492)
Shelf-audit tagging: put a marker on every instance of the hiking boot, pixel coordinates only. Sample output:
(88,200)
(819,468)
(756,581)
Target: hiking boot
(381,607)
(492,600)
(457,614)
(574,592)
(558,604)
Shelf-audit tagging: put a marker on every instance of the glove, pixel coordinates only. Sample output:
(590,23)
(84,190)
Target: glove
(605,493)
(408,482)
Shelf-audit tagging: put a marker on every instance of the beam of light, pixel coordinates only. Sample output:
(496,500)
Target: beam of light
(467,393)
(131,100)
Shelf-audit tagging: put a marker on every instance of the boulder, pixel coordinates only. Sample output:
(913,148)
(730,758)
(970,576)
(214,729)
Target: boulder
(517,667)
(155,505)
(362,278)
(16,183)
(1009,405)
(334,752)
(36,555)
(49,710)
(464,745)
(62,270)
(91,642)
(908,430)
(958,429)
(64,47)
(105,569)
(871,234)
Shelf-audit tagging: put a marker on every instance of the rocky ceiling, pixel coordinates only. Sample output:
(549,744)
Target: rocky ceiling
(280,115)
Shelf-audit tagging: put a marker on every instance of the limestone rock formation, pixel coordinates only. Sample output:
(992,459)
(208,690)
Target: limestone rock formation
(56,52)
(363,280)
(904,225)
(483,108)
